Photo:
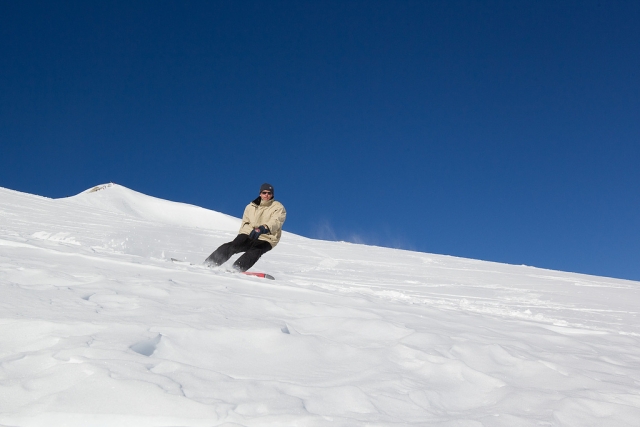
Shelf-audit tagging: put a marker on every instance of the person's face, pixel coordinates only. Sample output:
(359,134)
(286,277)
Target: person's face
(266,195)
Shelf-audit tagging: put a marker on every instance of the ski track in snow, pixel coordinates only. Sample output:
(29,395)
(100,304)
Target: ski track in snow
(99,328)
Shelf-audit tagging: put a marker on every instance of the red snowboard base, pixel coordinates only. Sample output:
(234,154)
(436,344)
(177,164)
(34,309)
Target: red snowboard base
(263,275)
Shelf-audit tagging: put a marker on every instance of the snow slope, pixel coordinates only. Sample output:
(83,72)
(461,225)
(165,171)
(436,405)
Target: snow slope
(99,328)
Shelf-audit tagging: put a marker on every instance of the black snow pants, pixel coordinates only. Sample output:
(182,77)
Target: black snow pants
(253,250)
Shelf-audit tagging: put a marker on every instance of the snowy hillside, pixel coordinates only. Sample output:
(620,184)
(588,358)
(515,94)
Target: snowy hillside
(99,328)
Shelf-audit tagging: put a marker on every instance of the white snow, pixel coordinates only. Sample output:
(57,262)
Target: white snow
(99,328)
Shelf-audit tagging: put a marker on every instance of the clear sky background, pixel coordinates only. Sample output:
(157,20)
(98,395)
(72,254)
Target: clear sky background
(506,131)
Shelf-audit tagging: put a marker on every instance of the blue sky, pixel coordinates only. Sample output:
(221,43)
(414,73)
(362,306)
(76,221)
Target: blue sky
(496,130)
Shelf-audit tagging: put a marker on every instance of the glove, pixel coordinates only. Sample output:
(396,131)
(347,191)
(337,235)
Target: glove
(256,232)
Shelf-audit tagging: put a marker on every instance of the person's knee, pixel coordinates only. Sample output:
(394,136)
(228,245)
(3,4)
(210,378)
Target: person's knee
(261,246)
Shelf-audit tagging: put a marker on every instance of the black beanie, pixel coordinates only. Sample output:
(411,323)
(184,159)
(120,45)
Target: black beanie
(267,187)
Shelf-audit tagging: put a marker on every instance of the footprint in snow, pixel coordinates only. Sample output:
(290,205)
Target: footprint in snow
(146,348)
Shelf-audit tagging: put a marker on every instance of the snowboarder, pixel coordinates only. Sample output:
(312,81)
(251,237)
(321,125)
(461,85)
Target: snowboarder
(259,233)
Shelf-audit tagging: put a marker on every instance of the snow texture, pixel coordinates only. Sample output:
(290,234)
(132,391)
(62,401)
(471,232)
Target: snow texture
(99,328)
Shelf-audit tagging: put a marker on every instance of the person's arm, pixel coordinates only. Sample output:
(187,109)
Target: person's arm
(246,223)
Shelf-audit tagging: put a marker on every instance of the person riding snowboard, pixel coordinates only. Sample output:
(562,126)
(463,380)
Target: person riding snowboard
(259,233)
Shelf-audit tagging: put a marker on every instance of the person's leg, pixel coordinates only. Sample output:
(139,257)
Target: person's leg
(221,255)
(252,255)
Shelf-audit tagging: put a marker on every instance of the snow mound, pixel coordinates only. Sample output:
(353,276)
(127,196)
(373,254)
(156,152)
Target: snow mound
(118,199)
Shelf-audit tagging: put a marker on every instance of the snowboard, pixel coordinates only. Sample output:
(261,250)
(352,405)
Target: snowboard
(246,273)
(262,275)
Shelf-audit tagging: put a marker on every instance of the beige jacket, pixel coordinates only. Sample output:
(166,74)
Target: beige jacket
(271,213)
